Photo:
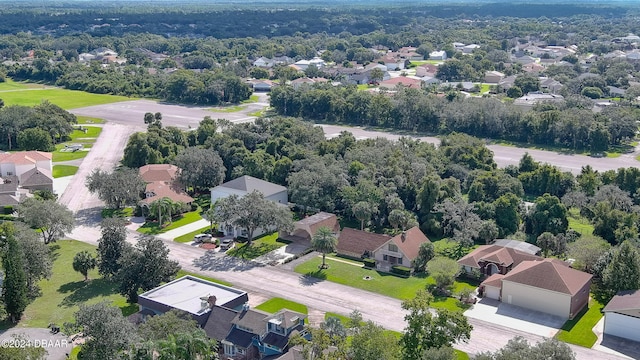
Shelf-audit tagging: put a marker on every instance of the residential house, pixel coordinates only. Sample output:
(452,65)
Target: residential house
(548,285)
(499,258)
(493,77)
(533,98)
(507,83)
(438,55)
(242,186)
(301,82)
(616,91)
(622,315)
(426,70)
(550,85)
(26,171)
(409,53)
(264,62)
(262,85)
(458,46)
(359,244)
(256,334)
(406,81)
(393,62)
(401,249)
(162,181)
(430,80)
(305,229)
(469,49)
(532,68)
(526,59)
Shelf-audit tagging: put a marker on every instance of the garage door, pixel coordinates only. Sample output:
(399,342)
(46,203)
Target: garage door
(492,292)
(624,326)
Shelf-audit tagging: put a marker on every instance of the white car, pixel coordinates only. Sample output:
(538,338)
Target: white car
(227,244)
(202,238)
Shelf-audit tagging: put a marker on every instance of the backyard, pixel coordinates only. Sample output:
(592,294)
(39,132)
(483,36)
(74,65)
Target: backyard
(352,273)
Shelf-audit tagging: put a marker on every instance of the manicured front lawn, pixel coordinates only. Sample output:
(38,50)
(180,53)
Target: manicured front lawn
(152,228)
(380,282)
(182,273)
(276,304)
(189,237)
(63,170)
(579,330)
(66,290)
(66,99)
(259,247)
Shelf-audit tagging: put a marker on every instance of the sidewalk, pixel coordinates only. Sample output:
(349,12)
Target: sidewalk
(182,230)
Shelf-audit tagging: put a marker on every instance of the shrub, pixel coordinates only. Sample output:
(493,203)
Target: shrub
(369,263)
(401,270)
(8,210)
(194,206)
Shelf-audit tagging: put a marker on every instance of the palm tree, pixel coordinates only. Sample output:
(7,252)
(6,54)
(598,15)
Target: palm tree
(362,211)
(324,241)
(162,206)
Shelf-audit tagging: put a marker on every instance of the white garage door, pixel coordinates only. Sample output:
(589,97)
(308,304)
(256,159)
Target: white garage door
(492,292)
(624,326)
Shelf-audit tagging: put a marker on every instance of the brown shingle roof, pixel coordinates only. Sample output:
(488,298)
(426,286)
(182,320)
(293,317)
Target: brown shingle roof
(550,275)
(162,189)
(159,172)
(494,280)
(355,243)
(409,242)
(496,254)
(624,300)
(318,220)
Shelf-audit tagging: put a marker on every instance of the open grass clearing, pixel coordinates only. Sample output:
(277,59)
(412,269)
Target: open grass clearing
(579,223)
(182,273)
(276,304)
(90,135)
(89,120)
(579,330)
(66,290)
(59,156)
(66,99)
(259,246)
(251,99)
(379,282)
(189,237)
(63,170)
(227,109)
(153,228)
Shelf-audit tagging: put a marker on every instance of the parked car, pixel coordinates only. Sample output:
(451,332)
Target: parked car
(227,244)
(200,238)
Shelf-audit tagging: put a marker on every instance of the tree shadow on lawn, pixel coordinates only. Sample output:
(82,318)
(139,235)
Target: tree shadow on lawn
(53,252)
(81,291)
(250,252)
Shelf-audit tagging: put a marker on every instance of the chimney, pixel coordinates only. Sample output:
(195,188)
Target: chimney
(403,236)
(245,307)
(212,301)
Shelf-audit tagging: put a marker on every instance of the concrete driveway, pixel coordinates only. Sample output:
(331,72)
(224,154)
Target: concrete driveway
(56,345)
(515,317)
(615,345)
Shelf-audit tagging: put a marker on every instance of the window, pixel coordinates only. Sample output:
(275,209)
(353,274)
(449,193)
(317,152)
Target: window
(400,261)
(229,349)
(385,257)
(393,247)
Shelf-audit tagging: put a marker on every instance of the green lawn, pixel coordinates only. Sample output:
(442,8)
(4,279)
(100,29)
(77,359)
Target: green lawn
(182,273)
(276,304)
(579,330)
(9,85)
(77,137)
(64,170)
(89,120)
(62,294)
(366,87)
(259,247)
(59,156)
(66,99)
(579,223)
(189,237)
(380,282)
(461,354)
(152,228)
(227,109)
(123,213)
(90,136)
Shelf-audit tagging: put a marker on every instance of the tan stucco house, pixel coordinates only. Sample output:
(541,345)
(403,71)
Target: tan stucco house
(499,258)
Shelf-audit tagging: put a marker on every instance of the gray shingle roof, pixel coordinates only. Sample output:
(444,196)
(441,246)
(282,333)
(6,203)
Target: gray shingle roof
(624,300)
(249,184)
(219,322)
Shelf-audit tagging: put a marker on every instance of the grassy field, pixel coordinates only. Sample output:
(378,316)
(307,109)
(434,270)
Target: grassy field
(227,109)
(152,228)
(62,294)
(259,247)
(9,85)
(189,237)
(380,282)
(89,120)
(64,170)
(33,94)
(90,136)
(182,273)
(276,304)
(579,330)
(77,137)
(579,223)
